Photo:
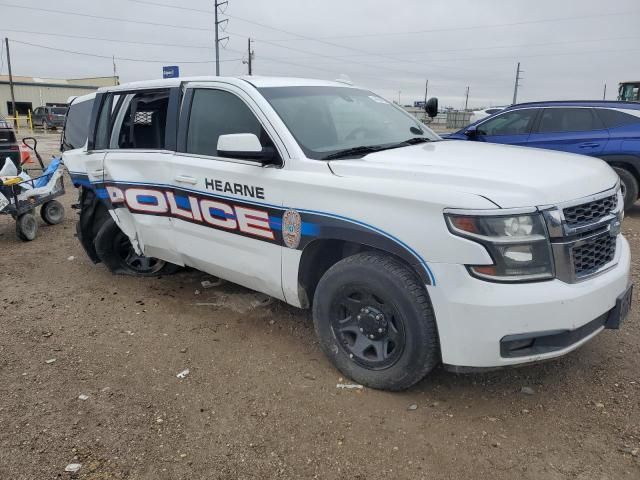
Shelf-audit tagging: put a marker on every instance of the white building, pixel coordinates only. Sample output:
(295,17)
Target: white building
(33,92)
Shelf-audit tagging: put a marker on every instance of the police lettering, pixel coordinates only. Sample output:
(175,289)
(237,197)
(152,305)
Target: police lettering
(205,211)
(234,188)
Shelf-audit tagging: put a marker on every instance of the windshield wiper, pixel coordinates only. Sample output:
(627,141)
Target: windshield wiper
(416,140)
(351,152)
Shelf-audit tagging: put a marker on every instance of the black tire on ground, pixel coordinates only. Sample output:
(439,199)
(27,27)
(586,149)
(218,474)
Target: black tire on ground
(115,250)
(52,212)
(629,187)
(26,227)
(375,322)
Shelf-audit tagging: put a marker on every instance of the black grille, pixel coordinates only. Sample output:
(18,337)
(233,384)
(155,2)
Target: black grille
(589,212)
(589,257)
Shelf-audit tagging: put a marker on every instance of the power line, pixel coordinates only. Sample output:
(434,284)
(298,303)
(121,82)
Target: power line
(415,32)
(478,27)
(126,59)
(100,17)
(85,37)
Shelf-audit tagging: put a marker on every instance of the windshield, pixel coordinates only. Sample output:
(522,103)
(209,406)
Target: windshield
(59,111)
(328,120)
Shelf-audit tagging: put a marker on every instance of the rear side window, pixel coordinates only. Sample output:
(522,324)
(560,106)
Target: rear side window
(215,113)
(616,118)
(76,127)
(143,123)
(7,137)
(568,120)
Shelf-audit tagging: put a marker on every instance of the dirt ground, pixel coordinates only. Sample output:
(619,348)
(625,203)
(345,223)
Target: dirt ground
(260,400)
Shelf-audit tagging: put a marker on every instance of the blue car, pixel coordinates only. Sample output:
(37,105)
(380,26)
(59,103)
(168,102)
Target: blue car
(607,130)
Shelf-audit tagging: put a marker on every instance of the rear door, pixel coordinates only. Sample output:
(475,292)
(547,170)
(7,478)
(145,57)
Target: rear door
(512,127)
(139,145)
(227,216)
(570,129)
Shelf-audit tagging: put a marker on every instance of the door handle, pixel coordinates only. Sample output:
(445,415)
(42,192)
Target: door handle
(98,173)
(589,145)
(186,179)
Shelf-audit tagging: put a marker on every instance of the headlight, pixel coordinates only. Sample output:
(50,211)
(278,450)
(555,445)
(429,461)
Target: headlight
(518,244)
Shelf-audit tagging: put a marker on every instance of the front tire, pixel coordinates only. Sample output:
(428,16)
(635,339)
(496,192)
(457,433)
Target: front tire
(26,227)
(375,322)
(115,250)
(629,186)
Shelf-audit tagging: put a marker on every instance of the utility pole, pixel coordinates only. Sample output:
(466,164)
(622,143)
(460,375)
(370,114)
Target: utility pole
(115,72)
(218,39)
(426,90)
(249,57)
(604,94)
(466,100)
(517,84)
(399,92)
(13,97)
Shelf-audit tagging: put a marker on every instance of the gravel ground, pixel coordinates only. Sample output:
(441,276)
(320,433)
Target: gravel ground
(88,366)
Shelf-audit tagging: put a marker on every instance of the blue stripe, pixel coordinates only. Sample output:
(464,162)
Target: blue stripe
(316,212)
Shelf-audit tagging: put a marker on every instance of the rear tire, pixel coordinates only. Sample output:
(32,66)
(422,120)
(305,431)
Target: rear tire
(375,322)
(115,250)
(629,186)
(52,212)
(26,227)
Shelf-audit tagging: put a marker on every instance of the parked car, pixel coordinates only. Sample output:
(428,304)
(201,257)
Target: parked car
(606,130)
(480,114)
(409,250)
(49,117)
(9,147)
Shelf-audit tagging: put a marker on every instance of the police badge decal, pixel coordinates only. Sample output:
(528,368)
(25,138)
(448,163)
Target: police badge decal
(291,228)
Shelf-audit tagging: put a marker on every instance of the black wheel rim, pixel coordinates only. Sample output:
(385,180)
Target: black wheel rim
(368,327)
(131,260)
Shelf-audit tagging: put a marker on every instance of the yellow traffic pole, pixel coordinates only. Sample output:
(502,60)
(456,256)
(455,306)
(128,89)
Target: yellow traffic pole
(30,120)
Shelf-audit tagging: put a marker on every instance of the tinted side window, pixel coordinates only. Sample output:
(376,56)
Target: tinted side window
(568,120)
(215,113)
(6,137)
(616,118)
(516,122)
(144,122)
(76,127)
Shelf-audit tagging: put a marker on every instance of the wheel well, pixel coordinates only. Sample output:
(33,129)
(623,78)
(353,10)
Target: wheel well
(626,162)
(320,255)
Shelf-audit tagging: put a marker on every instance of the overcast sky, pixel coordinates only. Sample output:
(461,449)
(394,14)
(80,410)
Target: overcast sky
(568,48)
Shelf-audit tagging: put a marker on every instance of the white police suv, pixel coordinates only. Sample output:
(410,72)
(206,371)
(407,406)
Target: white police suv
(410,250)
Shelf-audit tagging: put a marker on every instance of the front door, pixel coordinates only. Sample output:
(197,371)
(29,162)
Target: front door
(511,127)
(227,215)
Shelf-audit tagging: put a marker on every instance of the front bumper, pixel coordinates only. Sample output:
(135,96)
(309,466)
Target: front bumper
(474,316)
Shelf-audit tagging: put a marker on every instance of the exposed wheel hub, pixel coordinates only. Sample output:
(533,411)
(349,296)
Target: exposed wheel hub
(372,323)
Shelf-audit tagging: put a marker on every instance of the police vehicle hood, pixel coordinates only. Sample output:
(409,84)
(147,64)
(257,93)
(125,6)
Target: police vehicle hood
(509,176)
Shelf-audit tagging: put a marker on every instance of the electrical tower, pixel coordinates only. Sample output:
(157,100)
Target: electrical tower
(466,100)
(218,39)
(517,84)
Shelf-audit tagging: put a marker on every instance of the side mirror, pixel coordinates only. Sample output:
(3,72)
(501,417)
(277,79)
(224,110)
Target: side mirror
(431,107)
(245,146)
(471,132)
